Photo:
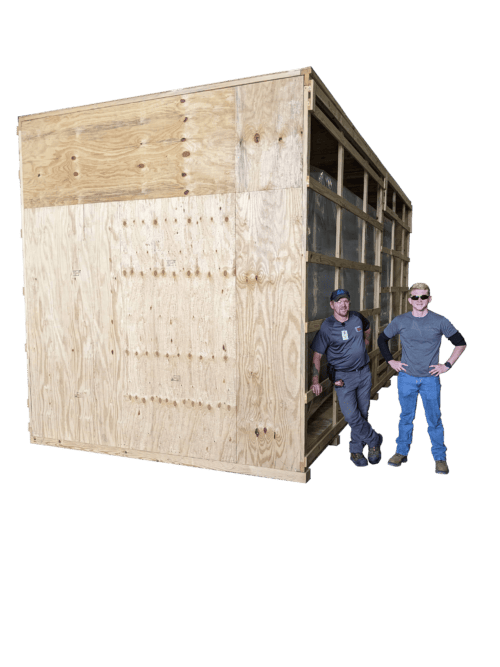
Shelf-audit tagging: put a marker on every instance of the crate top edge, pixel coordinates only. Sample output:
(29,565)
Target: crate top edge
(168,93)
(355,134)
(309,73)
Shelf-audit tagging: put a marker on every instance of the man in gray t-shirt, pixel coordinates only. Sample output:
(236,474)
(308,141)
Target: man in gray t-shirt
(419,370)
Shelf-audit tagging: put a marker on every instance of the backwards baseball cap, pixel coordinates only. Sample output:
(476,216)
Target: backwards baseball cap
(340,294)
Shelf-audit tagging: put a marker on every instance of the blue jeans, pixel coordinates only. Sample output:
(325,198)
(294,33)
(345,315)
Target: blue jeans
(429,388)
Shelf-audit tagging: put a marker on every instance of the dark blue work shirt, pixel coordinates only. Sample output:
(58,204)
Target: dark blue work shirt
(343,342)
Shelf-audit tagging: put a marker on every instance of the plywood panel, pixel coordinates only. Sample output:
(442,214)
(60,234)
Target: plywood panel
(269,121)
(169,93)
(171,147)
(269,325)
(71,341)
(131,322)
(177,281)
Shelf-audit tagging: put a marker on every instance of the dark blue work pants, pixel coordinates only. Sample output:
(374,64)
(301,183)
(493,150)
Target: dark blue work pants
(354,401)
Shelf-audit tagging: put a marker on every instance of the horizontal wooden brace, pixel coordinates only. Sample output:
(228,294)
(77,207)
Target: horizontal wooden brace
(317,403)
(387,290)
(315,325)
(326,384)
(396,253)
(315,185)
(391,214)
(310,395)
(318,258)
(341,138)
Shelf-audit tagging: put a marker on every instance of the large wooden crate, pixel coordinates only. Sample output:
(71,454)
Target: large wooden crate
(173,280)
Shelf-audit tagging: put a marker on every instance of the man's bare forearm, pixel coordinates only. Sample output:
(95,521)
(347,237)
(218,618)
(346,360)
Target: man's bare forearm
(316,362)
(456,353)
(368,337)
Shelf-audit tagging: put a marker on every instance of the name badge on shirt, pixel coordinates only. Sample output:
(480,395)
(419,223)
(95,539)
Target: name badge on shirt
(345,335)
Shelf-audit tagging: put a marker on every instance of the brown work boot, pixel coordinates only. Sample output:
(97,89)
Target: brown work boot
(397,460)
(442,468)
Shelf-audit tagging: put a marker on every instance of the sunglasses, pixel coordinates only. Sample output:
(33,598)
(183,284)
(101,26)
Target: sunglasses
(424,297)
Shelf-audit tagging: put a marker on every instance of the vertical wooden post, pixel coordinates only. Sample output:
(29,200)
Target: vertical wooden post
(340,192)
(338,250)
(391,274)
(362,253)
(403,263)
(381,195)
(306,159)
(407,252)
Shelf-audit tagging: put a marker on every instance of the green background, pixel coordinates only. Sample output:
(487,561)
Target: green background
(107,561)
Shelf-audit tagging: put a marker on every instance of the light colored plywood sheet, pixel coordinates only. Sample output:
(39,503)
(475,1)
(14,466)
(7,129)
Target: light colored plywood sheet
(169,93)
(177,282)
(131,322)
(172,147)
(71,347)
(269,121)
(269,326)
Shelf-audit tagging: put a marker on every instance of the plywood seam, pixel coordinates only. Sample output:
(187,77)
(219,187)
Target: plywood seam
(23,242)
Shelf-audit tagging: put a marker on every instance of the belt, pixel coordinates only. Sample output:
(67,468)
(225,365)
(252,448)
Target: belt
(356,370)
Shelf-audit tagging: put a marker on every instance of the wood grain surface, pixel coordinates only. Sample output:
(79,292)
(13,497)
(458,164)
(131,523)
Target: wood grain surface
(269,122)
(171,147)
(131,324)
(269,326)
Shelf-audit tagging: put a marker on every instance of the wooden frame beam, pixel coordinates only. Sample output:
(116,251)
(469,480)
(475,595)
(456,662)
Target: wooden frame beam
(395,217)
(395,253)
(341,117)
(315,325)
(388,290)
(328,260)
(341,138)
(315,185)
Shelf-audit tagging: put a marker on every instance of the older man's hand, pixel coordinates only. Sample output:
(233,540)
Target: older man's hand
(316,388)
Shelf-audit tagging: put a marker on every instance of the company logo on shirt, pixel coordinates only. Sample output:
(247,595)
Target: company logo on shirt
(345,335)
(358,328)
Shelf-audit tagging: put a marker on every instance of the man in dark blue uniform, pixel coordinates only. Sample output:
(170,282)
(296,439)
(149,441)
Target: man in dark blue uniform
(344,337)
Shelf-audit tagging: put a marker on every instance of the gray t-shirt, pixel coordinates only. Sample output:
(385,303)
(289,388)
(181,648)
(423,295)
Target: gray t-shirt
(343,342)
(421,339)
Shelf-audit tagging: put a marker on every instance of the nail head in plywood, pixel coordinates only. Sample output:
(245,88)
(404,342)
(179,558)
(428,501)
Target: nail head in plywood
(179,92)
(268,270)
(156,139)
(269,126)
